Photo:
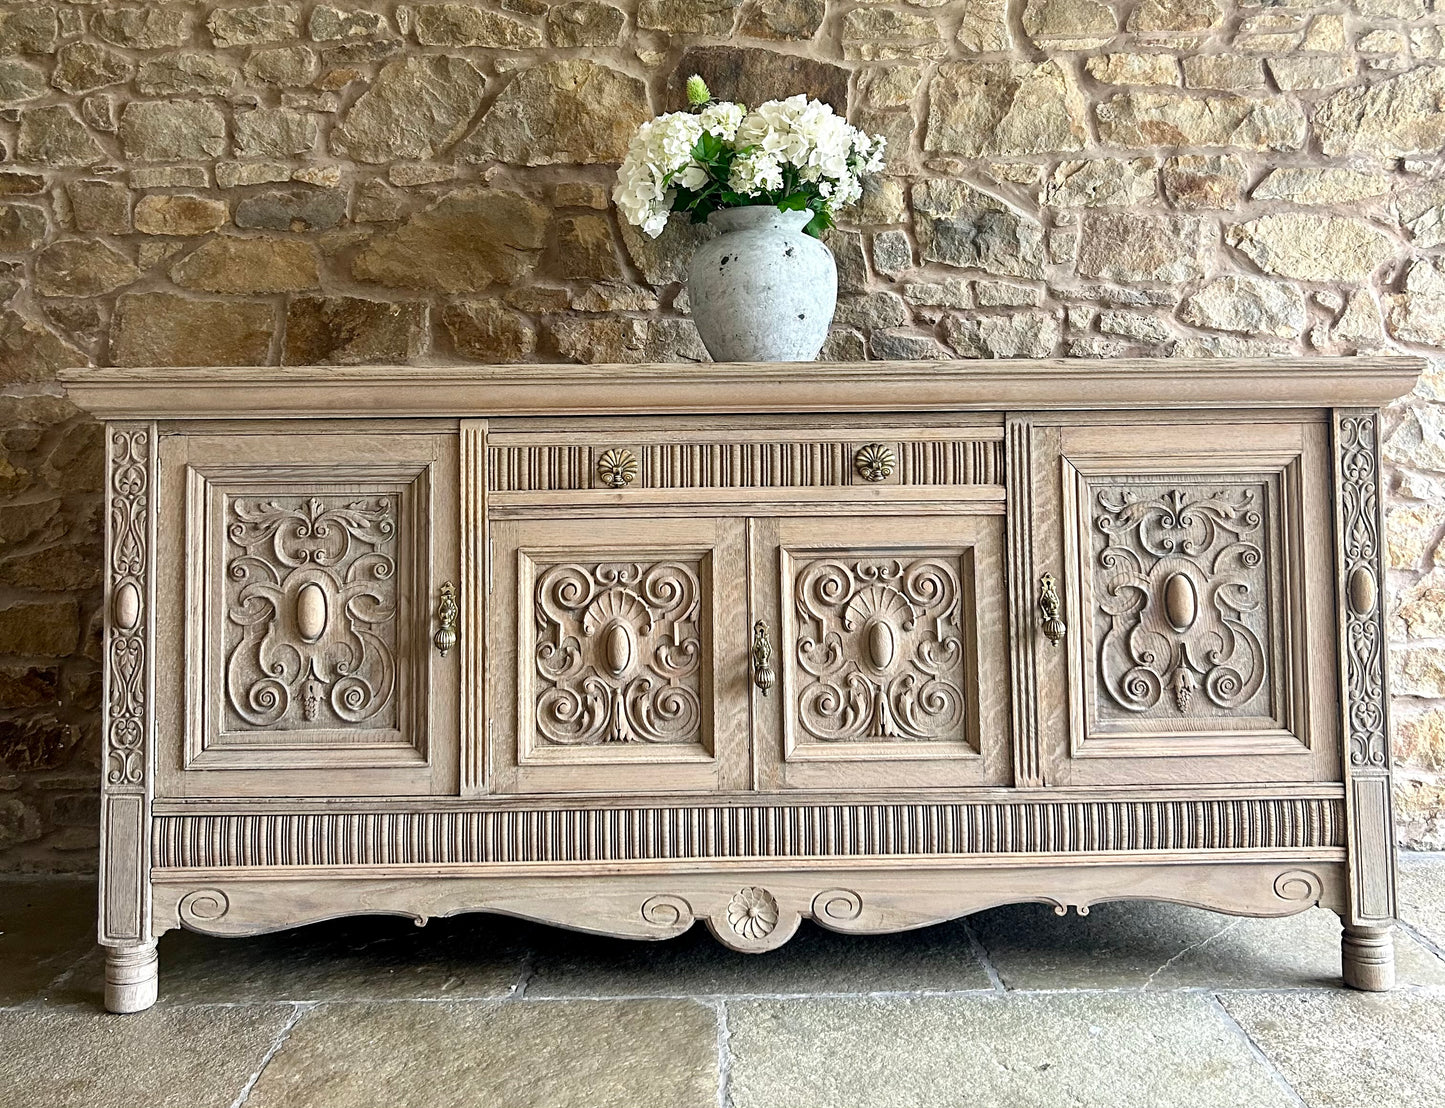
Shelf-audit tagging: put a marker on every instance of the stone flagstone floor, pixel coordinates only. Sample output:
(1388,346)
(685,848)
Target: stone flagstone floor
(1134,1005)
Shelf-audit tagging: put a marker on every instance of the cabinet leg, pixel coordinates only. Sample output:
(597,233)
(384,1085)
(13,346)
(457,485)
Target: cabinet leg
(1368,957)
(131,977)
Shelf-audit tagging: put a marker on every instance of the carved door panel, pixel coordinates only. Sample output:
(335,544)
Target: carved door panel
(888,637)
(305,570)
(1195,591)
(630,665)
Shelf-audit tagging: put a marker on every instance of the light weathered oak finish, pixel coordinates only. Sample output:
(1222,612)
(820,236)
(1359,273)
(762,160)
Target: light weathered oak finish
(872,644)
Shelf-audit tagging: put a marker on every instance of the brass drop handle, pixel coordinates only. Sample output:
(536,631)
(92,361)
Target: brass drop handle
(1053,626)
(764,676)
(446,634)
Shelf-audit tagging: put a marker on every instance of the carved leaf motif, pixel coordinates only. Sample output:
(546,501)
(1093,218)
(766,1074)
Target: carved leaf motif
(1181,587)
(129,510)
(1360,550)
(879,650)
(310,601)
(618,653)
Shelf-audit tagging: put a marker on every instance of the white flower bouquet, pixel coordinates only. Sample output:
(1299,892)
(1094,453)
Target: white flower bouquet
(795,154)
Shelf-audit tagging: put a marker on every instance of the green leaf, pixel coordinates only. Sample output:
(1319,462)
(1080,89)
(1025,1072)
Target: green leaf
(820,222)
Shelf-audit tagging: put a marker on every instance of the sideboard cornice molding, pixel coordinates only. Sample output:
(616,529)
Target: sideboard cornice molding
(707,388)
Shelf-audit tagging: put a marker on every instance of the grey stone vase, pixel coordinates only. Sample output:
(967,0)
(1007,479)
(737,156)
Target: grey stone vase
(762,291)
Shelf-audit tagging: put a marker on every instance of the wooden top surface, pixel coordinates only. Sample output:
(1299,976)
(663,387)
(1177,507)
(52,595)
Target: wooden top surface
(716,388)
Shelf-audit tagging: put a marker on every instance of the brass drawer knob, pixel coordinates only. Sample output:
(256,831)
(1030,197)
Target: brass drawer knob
(446,634)
(875,462)
(764,677)
(617,468)
(1053,626)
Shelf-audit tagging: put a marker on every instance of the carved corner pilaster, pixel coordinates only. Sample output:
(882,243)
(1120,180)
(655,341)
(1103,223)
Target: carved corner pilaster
(1360,575)
(128,726)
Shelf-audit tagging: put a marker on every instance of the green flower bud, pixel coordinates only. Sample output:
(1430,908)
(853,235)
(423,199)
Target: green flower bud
(697,93)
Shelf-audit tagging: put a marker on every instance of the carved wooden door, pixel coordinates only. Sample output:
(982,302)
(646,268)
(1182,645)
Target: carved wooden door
(888,639)
(630,666)
(1192,570)
(300,576)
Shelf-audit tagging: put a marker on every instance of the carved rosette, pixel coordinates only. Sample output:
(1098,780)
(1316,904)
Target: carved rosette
(130,555)
(618,653)
(1181,590)
(310,603)
(753,913)
(880,650)
(1364,645)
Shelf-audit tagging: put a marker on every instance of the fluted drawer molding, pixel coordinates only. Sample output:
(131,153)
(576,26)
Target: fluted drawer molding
(745,465)
(754,831)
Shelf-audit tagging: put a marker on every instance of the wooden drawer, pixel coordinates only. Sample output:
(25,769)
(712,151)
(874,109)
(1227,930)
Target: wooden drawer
(764,454)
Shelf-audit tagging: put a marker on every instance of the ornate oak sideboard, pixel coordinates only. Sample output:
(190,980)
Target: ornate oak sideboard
(625,647)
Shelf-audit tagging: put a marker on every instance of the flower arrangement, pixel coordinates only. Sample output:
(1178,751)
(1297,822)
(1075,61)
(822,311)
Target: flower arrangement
(794,153)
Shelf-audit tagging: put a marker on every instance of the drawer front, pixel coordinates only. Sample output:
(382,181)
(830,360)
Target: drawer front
(1197,581)
(618,655)
(705,458)
(890,650)
(305,569)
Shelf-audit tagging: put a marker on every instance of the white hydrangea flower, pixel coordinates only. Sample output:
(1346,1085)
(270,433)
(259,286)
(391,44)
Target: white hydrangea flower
(722,119)
(755,173)
(692,177)
(792,140)
(662,146)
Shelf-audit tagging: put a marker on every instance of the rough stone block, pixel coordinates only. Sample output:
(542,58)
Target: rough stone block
(172,130)
(348,330)
(1010,108)
(159,329)
(1130,247)
(466,242)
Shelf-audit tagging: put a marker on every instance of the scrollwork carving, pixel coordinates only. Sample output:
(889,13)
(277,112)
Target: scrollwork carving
(1299,885)
(618,653)
(129,567)
(310,605)
(1181,587)
(666,910)
(1359,540)
(203,906)
(880,649)
(837,906)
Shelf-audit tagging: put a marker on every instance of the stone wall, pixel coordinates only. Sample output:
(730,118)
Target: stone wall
(299,182)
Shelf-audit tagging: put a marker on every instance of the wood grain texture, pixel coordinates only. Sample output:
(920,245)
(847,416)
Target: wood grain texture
(1365,701)
(661,905)
(564,390)
(610,748)
(1241,513)
(778,830)
(1022,605)
(128,684)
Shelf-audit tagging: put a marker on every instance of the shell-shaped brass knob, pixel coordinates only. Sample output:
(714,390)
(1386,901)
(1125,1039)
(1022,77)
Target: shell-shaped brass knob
(875,462)
(617,468)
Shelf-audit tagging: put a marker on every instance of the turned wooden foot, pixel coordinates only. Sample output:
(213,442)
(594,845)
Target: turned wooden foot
(130,977)
(1368,956)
